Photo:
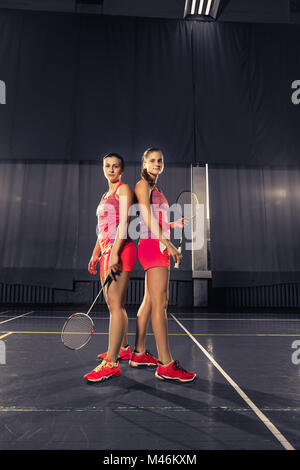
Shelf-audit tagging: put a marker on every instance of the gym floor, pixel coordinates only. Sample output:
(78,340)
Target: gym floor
(245,396)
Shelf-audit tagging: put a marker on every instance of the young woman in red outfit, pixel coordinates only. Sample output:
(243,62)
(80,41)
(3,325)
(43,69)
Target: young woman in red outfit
(118,255)
(154,252)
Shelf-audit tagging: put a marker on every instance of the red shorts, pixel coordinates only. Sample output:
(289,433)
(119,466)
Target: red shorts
(150,254)
(127,259)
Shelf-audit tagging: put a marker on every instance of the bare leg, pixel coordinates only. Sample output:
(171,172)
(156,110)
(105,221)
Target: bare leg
(142,320)
(115,297)
(157,288)
(125,338)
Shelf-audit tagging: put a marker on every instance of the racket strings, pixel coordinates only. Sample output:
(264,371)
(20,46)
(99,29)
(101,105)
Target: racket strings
(77,331)
(187,205)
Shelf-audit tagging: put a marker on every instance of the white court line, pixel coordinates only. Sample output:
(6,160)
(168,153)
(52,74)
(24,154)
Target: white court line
(15,318)
(256,410)
(241,319)
(5,311)
(66,314)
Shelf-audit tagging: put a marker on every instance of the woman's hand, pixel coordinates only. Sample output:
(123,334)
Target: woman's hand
(92,266)
(172,250)
(114,263)
(180,223)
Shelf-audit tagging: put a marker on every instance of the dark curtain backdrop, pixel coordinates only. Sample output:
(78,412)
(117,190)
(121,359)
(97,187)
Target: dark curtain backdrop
(48,218)
(79,86)
(255,225)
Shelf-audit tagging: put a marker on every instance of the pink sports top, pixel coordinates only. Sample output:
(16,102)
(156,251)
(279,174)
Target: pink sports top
(108,215)
(160,208)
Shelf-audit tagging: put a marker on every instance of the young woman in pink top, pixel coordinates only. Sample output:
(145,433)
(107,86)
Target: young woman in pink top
(118,255)
(154,252)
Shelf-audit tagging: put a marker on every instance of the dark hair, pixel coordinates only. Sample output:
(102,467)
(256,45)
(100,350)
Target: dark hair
(114,154)
(144,172)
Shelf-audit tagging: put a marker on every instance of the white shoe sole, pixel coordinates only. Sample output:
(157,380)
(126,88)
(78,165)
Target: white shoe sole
(163,377)
(137,364)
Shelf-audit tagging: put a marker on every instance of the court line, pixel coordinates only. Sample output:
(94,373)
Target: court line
(6,334)
(15,318)
(183,319)
(241,319)
(95,318)
(276,433)
(15,409)
(66,313)
(170,334)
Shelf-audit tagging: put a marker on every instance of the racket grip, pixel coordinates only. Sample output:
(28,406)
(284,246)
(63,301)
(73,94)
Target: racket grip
(107,280)
(176,265)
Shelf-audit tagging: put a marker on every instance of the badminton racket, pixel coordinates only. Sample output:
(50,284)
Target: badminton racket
(79,327)
(187,201)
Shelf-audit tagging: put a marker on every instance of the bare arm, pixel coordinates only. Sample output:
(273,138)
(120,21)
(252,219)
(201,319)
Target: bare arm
(94,258)
(180,223)
(125,202)
(142,192)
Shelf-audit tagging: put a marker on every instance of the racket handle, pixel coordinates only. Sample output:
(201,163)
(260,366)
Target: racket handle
(176,266)
(107,280)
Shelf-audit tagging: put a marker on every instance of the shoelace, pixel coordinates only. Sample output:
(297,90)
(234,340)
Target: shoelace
(177,366)
(103,364)
(148,353)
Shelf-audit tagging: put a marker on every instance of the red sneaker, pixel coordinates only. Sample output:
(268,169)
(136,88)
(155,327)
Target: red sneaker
(124,354)
(105,370)
(174,371)
(142,359)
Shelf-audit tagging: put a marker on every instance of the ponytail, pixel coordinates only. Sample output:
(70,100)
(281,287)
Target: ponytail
(144,173)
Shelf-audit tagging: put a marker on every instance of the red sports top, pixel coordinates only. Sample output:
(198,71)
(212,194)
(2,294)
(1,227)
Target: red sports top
(160,207)
(108,215)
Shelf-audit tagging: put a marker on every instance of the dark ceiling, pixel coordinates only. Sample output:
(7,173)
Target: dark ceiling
(249,11)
